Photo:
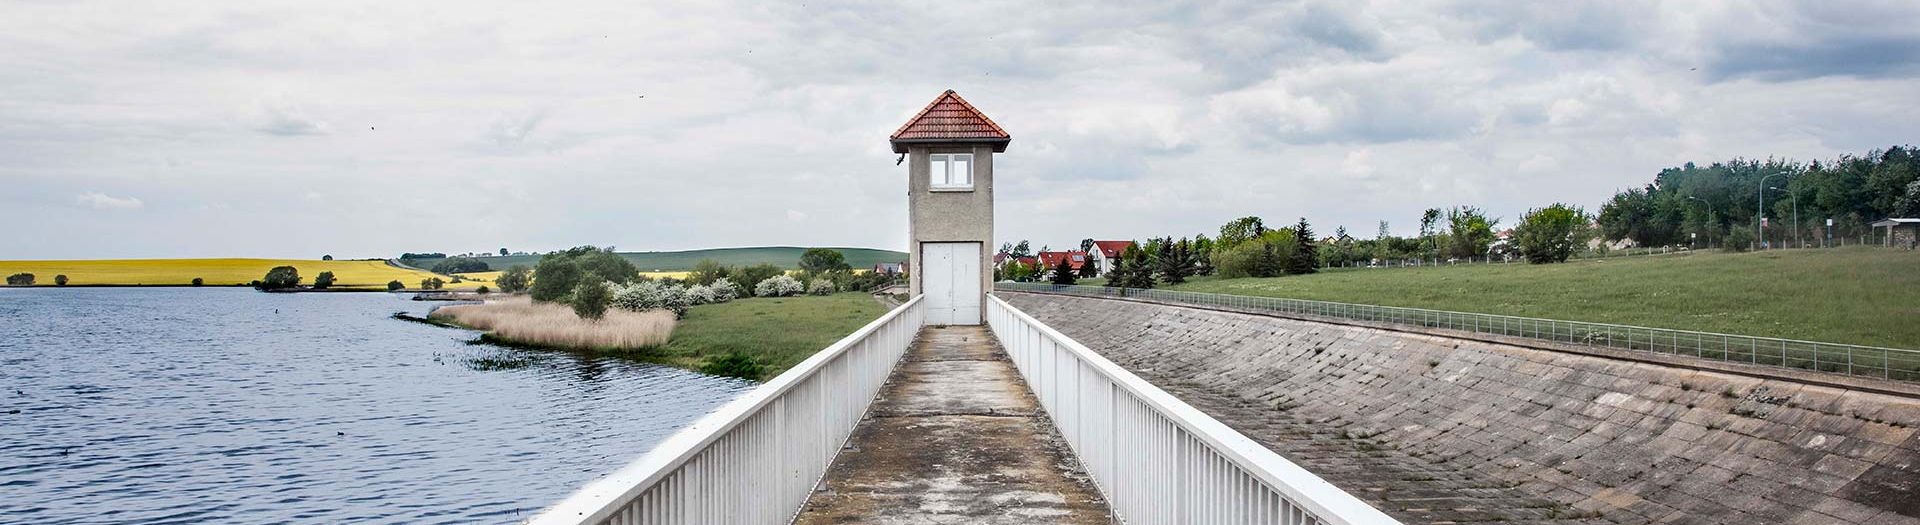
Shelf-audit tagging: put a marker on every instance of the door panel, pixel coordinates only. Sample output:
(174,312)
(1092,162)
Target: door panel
(951,281)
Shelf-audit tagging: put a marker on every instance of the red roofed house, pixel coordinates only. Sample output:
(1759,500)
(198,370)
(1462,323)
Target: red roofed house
(1050,260)
(949,147)
(1104,252)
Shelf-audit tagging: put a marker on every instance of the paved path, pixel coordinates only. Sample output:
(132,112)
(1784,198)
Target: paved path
(955,437)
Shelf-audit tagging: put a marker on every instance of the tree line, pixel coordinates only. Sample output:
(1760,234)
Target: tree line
(1720,203)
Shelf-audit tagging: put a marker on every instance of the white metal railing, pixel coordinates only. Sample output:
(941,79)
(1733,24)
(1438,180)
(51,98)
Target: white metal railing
(756,459)
(1155,458)
(1868,361)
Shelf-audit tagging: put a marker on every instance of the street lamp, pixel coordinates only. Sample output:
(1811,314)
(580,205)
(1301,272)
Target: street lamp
(1757,229)
(1709,221)
(1796,215)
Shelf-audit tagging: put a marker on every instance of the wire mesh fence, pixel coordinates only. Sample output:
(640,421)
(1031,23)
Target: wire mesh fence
(1869,361)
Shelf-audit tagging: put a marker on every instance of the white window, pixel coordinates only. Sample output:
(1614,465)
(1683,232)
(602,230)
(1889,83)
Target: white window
(951,170)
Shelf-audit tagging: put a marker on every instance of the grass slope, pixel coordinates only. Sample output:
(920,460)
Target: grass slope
(672,262)
(1862,295)
(216,272)
(777,332)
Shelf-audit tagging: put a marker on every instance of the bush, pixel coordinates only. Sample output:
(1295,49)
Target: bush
(392,286)
(590,299)
(707,271)
(652,295)
(558,273)
(60,280)
(323,281)
(198,281)
(515,279)
(1550,234)
(734,364)
(753,275)
(821,287)
(723,290)
(327,257)
(460,265)
(432,283)
(280,278)
(1738,240)
(817,261)
(20,279)
(778,286)
(482,290)
(699,295)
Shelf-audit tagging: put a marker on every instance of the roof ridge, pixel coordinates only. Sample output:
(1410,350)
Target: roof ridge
(950,118)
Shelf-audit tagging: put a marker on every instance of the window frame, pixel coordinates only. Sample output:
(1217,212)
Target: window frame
(944,162)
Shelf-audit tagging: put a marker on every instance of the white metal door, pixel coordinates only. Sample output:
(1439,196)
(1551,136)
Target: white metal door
(950,278)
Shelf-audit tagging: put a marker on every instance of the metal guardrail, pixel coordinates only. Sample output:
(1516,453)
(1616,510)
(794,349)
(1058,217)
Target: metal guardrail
(758,458)
(1868,361)
(1155,458)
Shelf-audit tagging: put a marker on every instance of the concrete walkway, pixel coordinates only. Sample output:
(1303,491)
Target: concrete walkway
(955,437)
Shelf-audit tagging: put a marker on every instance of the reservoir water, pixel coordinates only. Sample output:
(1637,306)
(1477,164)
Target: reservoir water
(223,405)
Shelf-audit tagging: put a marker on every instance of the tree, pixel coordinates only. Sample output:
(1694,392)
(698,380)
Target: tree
(392,286)
(198,281)
(558,273)
(432,283)
(756,274)
(1306,255)
(1117,271)
(707,271)
(20,279)
(1738,239)
(1469,232)
(503,252)
(1551,234)
(455,265)
(327,257)
(60,280)
(323,281)
(516,279)
(1382,233)
(590,298)
(1088,270)
(1139,269)
(280,278)
(1021,250)
(1176,260)
(1240,230)
(482,290)
(1063,273)
(1202,255)
(1086,245)
(820,261)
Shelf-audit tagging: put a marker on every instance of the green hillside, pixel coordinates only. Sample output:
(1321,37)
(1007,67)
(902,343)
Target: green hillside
(782,256)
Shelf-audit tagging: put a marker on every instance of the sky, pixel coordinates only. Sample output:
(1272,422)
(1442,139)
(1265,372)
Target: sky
(364,129)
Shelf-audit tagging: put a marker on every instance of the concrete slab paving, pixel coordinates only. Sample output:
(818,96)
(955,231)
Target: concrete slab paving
(955,437)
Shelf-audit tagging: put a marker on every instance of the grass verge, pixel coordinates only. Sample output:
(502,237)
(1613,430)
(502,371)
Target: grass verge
(776,332)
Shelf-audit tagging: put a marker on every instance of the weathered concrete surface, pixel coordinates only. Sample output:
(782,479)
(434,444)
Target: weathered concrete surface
(1432,429)
(955,437)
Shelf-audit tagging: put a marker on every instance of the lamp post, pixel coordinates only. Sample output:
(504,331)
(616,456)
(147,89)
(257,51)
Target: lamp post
(1709,221)
(1759,231)
(1796,215)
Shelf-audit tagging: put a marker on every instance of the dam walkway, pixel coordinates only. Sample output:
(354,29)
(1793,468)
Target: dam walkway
(955,437)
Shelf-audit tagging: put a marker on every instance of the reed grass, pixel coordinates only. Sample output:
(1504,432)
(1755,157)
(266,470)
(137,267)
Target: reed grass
(520,320)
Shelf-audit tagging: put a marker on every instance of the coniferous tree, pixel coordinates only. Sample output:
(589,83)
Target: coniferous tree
(1117,273)
(1063,273)
(1139,268)
(1088,270)
(1270,262)
(1176,260)
(1306,253)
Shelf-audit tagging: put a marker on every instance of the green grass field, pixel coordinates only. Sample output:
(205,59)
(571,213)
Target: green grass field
(776,332)
(783,256)
(1865,295)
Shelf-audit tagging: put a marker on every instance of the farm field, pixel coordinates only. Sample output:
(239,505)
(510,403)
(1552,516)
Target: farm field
(1856,295)
(215,272)
(677,262)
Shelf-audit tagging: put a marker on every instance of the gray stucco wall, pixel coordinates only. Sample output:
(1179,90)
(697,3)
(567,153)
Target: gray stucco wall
(950,215)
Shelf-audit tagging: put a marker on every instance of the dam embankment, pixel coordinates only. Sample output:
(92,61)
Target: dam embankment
(1436,429)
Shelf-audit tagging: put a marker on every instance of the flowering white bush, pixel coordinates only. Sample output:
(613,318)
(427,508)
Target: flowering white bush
(723,290)
(651,295)
(779,286)
(821,287)
(699,294)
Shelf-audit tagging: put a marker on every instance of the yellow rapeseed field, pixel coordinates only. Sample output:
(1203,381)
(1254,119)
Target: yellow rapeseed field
(216,272)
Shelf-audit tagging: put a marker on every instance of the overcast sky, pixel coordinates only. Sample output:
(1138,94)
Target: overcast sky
(365,129)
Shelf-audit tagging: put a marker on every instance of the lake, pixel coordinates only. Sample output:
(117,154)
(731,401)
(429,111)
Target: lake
(224,405)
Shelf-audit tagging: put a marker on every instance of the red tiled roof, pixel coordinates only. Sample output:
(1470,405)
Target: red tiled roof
(1111,248)
(950,119)
(1075,259)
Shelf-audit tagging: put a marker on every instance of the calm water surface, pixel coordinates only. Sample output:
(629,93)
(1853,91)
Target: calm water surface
(180,405)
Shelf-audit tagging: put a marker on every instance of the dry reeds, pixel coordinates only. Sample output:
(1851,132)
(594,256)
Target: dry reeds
(520,320)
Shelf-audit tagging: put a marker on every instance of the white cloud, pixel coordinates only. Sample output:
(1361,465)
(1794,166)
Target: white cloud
(102,201)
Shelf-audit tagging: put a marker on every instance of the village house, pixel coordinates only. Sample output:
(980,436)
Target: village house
(1104,252)
(1002,259)
(1051,260)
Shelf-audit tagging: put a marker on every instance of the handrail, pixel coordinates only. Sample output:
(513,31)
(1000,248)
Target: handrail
(1857,360)
(1155,458)
(757,458)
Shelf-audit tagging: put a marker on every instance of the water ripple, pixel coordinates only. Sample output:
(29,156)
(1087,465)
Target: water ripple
(206,406)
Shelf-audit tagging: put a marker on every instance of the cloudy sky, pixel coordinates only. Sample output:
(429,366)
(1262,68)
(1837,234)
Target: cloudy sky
(365,129)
